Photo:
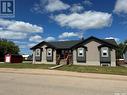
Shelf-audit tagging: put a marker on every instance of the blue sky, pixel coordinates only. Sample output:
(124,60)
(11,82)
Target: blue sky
(50,20)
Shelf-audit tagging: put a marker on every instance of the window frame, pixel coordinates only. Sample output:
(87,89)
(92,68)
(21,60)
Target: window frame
(38,51)
(104,50)
(48,52)
(80,52)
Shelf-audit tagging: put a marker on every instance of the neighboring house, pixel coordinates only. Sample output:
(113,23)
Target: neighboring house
(90,51)
(125,54)
(25,56)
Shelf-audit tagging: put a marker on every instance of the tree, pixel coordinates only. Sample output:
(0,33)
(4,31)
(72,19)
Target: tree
(8,47)
(119,50)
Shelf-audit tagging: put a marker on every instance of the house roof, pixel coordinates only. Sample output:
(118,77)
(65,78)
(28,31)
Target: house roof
(111,41)
(73,43)
(64,44)
(58,44)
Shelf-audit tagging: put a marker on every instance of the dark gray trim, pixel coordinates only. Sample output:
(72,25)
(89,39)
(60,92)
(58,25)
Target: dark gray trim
(79,58)
(106,42)
(38,58)
(49,58)
(105,59)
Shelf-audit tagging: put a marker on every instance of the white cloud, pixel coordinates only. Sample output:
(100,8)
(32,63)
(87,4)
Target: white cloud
(30,45)
(76,8)
(11,29)
(50,6)
(56,5)
(116,39)
(35,38)
(20,42)
(50,39)
(22,46)
(19,26)
(12,35)
(84,21)
(68,34)
(120,6)
(63,40)
(38,38)
(87,2)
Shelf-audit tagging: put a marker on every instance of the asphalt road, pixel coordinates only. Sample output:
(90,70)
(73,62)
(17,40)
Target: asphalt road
(28,84)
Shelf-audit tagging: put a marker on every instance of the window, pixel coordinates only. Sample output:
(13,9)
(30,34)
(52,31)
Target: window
(104,52)
(80,52)
(37,52)
(49,52)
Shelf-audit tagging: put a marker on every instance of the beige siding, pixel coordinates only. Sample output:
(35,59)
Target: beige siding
(93,55)
(113,57)
(44,61)
(33,56)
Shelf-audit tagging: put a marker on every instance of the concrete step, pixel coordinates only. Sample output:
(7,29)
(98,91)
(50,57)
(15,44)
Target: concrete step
(54,67)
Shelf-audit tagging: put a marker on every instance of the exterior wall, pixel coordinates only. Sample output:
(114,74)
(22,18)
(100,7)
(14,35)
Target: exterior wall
(113,57)
(81,58)
(44,55)
(93,55)
(103,58)
(125,56)
(33,57)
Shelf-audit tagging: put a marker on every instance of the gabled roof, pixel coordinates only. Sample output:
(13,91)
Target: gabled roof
(107,42)
(111,41)
(41,44)
(58,44)
(64,44)
(74,43)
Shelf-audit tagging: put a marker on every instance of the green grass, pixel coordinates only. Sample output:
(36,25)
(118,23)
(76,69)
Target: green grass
(26,65)
(74,68)
(95,69)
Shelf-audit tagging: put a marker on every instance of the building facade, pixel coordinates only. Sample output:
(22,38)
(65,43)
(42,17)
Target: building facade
(90,51)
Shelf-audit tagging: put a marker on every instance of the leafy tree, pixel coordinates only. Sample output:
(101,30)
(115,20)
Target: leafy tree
(8,47)
(125,41)
(119,50)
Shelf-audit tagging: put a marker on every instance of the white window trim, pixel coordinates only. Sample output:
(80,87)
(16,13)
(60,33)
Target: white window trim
(104,50)
(37,50)
(79,52)
(48,52)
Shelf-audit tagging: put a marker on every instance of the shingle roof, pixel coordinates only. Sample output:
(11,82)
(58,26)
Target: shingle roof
(111,41)
(70,44)
(64,44)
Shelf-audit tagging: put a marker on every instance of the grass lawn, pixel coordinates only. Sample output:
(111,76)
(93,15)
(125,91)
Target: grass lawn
(26,65)
(95,69)
(75,68)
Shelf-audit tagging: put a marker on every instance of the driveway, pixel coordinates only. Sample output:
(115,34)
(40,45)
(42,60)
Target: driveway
(29,82)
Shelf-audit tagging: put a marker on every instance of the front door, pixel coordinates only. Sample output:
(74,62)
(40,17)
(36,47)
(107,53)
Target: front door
(64,54)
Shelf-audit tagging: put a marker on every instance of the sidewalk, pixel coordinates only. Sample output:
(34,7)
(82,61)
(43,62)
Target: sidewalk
(63,73)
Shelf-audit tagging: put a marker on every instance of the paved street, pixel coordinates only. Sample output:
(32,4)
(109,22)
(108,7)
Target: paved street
(31,84)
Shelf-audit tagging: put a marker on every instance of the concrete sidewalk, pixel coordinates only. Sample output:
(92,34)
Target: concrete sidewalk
(63,73)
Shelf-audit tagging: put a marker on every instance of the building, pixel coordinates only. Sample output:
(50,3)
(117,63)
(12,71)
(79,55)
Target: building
(125,54)
(90,51)
(25,56)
